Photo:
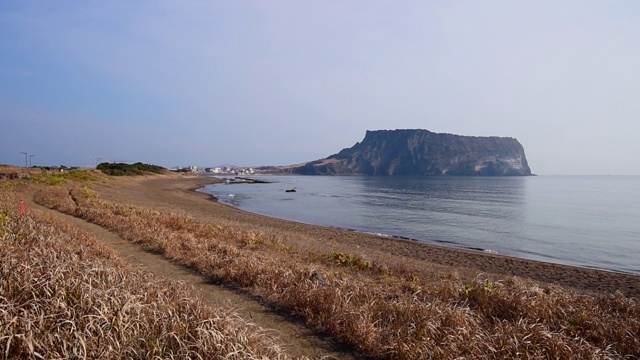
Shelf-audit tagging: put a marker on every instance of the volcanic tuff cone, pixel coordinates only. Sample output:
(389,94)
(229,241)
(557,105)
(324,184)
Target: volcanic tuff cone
(422,152)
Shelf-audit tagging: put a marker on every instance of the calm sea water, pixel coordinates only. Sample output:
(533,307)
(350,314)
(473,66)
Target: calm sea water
(590,221)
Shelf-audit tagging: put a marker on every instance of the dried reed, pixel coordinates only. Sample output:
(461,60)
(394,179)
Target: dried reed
(65,295)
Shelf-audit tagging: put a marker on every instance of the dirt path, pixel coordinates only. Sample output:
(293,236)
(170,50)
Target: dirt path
(298,339)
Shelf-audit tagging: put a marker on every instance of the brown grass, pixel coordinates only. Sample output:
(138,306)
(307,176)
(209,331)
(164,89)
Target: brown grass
(382,310)
(64,295)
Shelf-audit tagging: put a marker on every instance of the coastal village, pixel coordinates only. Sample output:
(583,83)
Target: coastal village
(226,170)
(220,170)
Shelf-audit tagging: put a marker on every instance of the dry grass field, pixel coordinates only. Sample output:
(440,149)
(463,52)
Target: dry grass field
(63,295)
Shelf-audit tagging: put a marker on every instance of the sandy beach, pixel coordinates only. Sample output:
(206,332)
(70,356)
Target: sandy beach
(177,193)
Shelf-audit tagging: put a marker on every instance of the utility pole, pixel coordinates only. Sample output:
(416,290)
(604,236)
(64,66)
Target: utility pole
(30,156)
(25,158)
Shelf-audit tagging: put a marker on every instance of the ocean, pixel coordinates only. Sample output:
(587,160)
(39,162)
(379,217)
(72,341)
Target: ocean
(587,221)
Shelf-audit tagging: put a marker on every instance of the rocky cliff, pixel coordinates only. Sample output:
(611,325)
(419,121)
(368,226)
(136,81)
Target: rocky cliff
(422,152)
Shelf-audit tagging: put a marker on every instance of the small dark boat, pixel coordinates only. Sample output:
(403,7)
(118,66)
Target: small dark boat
(290,190)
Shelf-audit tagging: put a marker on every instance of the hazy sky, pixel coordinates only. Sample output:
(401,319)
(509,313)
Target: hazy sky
(282,82)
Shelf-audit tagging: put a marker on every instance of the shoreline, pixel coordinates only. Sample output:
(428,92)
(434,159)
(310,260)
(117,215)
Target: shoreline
(178,193)
(444,244)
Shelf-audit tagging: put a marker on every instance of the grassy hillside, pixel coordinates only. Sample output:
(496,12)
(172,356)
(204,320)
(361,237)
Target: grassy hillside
(122,169)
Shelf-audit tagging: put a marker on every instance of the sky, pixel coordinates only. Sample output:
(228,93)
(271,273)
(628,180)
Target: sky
(251,83)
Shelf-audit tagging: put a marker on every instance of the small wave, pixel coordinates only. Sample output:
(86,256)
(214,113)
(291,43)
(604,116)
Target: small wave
(383,235)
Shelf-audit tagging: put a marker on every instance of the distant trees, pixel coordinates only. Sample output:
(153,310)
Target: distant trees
(122,169)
